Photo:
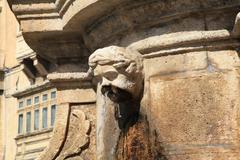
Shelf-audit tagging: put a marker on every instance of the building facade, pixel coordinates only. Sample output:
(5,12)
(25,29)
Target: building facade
(36,117)
(27,104)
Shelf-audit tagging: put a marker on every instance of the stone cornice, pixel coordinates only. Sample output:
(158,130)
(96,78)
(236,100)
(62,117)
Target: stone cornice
(32,89)
(48,8)
(66,29)
(36,133)
(71,80)
(96,34)
(55,77)
(181,38)
(182,42)
(40,8)
(54,13)
(20,58)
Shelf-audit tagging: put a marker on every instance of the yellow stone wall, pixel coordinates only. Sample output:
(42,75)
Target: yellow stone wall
(15,79)
(8,29)
(30,144)
(12,46)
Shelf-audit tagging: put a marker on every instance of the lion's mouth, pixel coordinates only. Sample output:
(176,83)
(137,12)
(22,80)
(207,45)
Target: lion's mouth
(116,94)
(125,109)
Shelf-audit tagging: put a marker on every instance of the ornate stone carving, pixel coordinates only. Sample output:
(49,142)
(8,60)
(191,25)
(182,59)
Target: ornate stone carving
(60,130)
(71,135)
(119,74)
(77,139)
(118,68)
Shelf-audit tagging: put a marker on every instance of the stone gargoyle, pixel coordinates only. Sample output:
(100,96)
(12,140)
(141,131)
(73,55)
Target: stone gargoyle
(118,73)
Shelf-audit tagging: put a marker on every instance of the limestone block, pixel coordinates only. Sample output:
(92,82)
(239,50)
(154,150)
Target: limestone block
(76,96)
(223,60)
(196,117)
(175,63)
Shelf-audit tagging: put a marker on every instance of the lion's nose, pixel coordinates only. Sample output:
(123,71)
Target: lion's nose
(105,82)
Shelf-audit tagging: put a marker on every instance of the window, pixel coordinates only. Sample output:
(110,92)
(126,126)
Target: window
(20,104)
(28,122)
(20,123)
(29,102)
(36,100)
(53,94)
(36,119)
(44,97)
(53,113)
(44,118)
(37,112)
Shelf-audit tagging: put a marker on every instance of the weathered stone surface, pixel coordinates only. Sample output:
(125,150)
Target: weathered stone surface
(202,120)
(118,72)
(72,138)
(77,138)
(89,153)
(183,51)
(82,27)
(77,95)
(224,60)
(192,61)
(158,42)
(118,68)
(59,133)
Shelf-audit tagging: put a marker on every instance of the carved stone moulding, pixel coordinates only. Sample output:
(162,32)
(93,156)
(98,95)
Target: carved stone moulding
(140,20)
(71,126)
(33,89)
(71,80)
(53,28)
(184,42)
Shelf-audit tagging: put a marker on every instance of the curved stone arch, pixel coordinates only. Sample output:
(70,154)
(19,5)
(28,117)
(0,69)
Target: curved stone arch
(89,25)
(127,20)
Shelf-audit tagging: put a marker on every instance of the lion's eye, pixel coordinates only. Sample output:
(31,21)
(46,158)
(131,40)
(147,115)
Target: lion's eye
(110,75)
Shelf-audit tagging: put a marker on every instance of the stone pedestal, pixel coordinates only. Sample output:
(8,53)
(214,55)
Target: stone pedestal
(193,105)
